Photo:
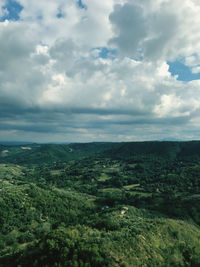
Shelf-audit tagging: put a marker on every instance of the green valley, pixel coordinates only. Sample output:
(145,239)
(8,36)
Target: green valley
(100,204)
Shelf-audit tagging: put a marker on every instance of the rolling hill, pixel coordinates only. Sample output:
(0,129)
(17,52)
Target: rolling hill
(100,204)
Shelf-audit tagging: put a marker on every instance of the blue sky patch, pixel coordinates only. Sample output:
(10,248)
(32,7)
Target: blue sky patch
(81,4)
(13,10)
(60,15)
(184,72)
(104,52)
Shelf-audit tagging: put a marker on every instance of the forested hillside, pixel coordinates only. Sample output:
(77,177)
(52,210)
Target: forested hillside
(100,204)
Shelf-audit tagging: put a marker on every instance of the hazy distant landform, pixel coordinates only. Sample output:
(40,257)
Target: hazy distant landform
(100,204)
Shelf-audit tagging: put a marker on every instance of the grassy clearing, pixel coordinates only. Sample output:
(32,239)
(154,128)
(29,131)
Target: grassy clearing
(142,194)
(8,171)
(104,177)
(55,172)
(132,165)
(110,190)
(131,186)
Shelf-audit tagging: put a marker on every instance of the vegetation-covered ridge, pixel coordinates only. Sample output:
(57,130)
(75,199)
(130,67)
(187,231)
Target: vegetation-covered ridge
(40,153)
(100,204)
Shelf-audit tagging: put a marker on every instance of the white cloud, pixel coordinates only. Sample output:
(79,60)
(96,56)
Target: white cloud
(89,26)
(170,104)
(196,70)
(157,29)
(3,11)
(52,79)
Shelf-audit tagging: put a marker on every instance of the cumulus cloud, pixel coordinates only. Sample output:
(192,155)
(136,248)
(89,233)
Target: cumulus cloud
(56,84)
(158,29)
(3,10)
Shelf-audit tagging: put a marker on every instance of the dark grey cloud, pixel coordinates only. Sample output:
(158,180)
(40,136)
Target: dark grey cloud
(130,28)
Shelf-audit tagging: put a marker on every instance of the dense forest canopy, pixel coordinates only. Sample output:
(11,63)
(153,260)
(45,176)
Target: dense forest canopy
(100,204)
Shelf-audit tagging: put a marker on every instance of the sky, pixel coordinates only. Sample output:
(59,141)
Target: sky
(90,70)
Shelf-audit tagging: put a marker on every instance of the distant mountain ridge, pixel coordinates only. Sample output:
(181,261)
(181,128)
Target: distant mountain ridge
(41,153)
(4,143)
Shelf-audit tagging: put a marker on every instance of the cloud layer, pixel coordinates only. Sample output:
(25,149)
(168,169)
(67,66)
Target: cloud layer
(99,71)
